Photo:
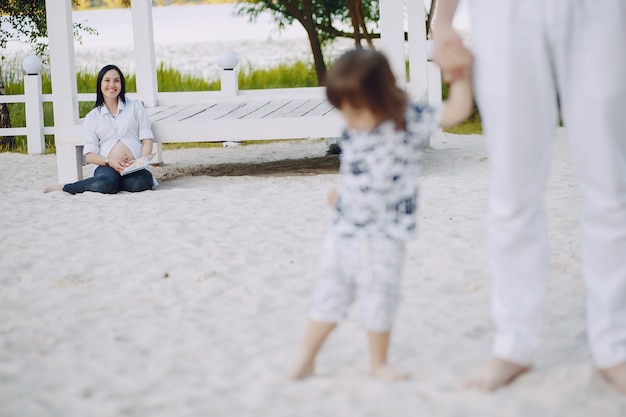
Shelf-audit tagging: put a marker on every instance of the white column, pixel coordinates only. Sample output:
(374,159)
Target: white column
(145,61)
(392,36)
(34,115)
(64,90)
(229,82)
(434,84)
(418,69)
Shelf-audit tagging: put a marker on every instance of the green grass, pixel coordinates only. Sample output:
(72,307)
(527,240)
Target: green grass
(171,80)
(282,76)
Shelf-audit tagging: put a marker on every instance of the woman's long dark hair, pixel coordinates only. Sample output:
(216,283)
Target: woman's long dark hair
(363,78)
(99,95)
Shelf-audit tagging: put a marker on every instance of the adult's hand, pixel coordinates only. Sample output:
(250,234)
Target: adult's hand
(450,54)
(117,164)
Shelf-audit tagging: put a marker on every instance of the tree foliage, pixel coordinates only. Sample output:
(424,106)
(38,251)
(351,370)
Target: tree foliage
(326,20)
(24,21)
(323,20)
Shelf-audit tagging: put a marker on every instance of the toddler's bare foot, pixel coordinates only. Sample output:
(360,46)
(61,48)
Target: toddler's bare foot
(302,369)
(387,373)
(494,374)
(616,375)
(56,187)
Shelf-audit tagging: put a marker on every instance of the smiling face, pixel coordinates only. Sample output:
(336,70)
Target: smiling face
(111,84)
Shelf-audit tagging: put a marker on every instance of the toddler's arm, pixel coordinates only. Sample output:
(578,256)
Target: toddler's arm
(460,102)
(331,198)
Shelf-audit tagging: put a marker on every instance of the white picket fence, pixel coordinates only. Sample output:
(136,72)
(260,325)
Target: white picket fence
(33,100)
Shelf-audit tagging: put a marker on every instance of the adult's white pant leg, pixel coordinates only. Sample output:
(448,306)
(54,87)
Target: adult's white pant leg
(590,61)
(516,97)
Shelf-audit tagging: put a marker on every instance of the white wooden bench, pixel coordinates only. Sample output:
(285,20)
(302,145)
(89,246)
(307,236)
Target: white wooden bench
(220,116)
(211,117)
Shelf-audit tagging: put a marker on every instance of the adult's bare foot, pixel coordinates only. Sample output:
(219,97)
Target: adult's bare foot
(494,374)
(387,373)
(56,187)
(616,375)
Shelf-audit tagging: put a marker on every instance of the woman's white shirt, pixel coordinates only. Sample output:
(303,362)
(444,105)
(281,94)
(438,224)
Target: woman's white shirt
(102,130)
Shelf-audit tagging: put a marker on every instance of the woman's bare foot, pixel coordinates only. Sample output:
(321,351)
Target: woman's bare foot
(494,374)
(302,369)
(387,373)
(616,375)
(56,187)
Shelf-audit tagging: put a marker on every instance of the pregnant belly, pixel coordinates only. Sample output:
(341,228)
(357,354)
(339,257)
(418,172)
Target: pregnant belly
(121,152)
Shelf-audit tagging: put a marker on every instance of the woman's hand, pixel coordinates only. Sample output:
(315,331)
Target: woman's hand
(118,164)
(451,55)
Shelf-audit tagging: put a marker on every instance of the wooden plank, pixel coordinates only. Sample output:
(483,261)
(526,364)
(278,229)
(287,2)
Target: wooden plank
(192,111)
(12,131)
(152,111)
(219,110)
(244,111)
(268,109)
(13,98)
(305,108)
(179,113)
(167,113)
(323,108)
(199,129)
(288,108)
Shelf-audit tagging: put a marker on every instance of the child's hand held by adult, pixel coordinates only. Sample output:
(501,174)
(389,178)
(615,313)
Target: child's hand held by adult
(451,55)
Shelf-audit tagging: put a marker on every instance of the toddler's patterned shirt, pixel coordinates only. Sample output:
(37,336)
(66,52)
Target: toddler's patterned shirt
(378,174)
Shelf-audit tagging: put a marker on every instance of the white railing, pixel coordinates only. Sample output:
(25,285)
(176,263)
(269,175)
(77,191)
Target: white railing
(33,100)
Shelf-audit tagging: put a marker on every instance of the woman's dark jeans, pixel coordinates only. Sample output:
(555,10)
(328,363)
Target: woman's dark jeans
(106,180)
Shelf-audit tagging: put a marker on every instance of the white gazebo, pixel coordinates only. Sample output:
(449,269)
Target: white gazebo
(225,115)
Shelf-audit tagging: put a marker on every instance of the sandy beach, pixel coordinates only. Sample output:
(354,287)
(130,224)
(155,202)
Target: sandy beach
(190,300)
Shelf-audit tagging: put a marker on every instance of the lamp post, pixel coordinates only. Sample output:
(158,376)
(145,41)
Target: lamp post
(34,110)
(228,61)
(31,64)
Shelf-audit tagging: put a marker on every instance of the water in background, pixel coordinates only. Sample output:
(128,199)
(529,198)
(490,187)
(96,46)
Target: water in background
(190,39)
(187,38)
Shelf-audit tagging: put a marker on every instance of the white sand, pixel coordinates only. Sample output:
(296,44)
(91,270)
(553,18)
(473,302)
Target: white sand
(190,300)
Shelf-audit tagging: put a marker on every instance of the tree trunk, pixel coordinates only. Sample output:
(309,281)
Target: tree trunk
(6,142)
(318,56)
(429,20)
(354,17)
(308,23)
(359,11)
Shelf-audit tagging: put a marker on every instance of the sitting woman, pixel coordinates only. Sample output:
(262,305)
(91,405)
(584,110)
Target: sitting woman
(116,133)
